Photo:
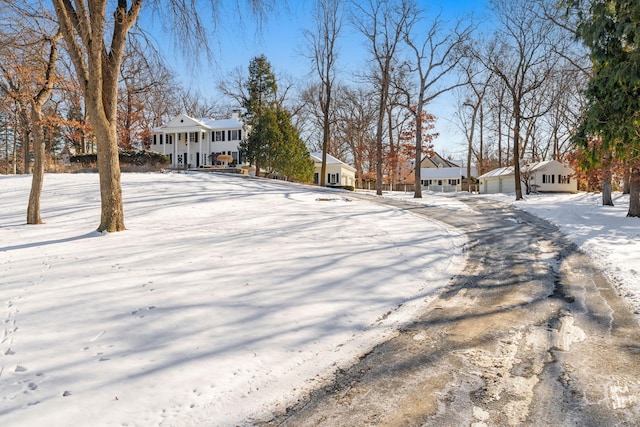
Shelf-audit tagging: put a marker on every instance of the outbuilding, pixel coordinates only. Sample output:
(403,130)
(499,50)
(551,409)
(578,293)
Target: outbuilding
(339,174)
(549,176)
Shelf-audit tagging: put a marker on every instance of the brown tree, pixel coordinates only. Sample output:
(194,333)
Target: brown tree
(436,53)
(96,49)
(96,46)
(383,24)
(28,77)
(355,125)
(322,45)
(523,55)
(37,102)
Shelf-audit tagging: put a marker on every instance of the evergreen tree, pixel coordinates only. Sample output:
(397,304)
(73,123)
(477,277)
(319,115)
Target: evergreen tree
(291,156)
(261,89)
(611,31)
(273,144)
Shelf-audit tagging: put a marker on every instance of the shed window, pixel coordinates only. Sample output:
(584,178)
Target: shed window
(548,179)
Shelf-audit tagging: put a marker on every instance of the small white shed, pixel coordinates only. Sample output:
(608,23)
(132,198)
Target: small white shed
(339,174)
(549,176)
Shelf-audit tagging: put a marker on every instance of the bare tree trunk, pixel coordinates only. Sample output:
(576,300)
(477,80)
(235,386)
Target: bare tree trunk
(516,148)
(25,138)
(626,181)
(384,91)
(634,191)
(606,187)
(33,209)
(417,185)
(112,214)
(97,66)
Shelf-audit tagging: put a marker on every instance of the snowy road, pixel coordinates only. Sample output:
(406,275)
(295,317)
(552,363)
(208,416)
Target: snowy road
(531,333)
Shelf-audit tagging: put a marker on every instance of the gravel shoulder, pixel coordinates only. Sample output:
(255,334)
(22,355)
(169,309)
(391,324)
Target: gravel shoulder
(530,333)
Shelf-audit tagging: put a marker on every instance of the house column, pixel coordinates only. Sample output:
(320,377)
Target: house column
(206,155)
(175,149)
(186,162)
(200,148)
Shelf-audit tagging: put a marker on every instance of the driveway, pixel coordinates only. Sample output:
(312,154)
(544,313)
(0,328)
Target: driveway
(530,333)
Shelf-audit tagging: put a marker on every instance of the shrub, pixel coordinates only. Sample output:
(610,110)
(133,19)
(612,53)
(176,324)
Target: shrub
(128,159)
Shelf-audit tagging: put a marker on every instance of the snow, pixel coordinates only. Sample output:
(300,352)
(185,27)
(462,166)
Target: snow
(227,297)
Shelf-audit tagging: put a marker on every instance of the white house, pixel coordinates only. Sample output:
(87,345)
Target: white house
(192,143)
(549,176)
(339,174)
(440,174)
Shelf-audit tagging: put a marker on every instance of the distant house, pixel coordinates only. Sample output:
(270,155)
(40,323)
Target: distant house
(549,176)
(192,143)
(66,153)
(440,174)
(339,174)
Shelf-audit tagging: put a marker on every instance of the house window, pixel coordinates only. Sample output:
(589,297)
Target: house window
(563,179)
(316,178)
(169,139)
(548,179)
(161,139)
(154,139)
(193,136)
(333,178)
(218,135)
(454,181)
(234,135)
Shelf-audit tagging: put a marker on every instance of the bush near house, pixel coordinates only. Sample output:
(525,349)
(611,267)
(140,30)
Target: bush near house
(129,160)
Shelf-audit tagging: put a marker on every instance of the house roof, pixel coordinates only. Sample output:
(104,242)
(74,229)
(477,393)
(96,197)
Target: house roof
(539,165)
(436,161)
(498,172)
(206,123)
(317,158)
(222,123)
(529,167)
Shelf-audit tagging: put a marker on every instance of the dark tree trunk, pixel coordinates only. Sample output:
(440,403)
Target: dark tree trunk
(606,188)
(634,192)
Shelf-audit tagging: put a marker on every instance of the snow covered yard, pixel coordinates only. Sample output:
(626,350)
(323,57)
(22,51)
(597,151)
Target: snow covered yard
(224,298)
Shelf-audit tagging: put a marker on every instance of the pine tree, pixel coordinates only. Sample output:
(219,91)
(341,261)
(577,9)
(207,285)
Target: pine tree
(611,31)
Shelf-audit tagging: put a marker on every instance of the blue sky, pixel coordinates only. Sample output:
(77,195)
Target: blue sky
(282,41)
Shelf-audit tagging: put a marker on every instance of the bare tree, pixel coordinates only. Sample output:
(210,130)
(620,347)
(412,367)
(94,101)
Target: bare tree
(523,55)
(436,54)
(322,45)
(383,24)
(355,119)
(146,83)
(96,44)
(37,102)
(474,100)
(30,81)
